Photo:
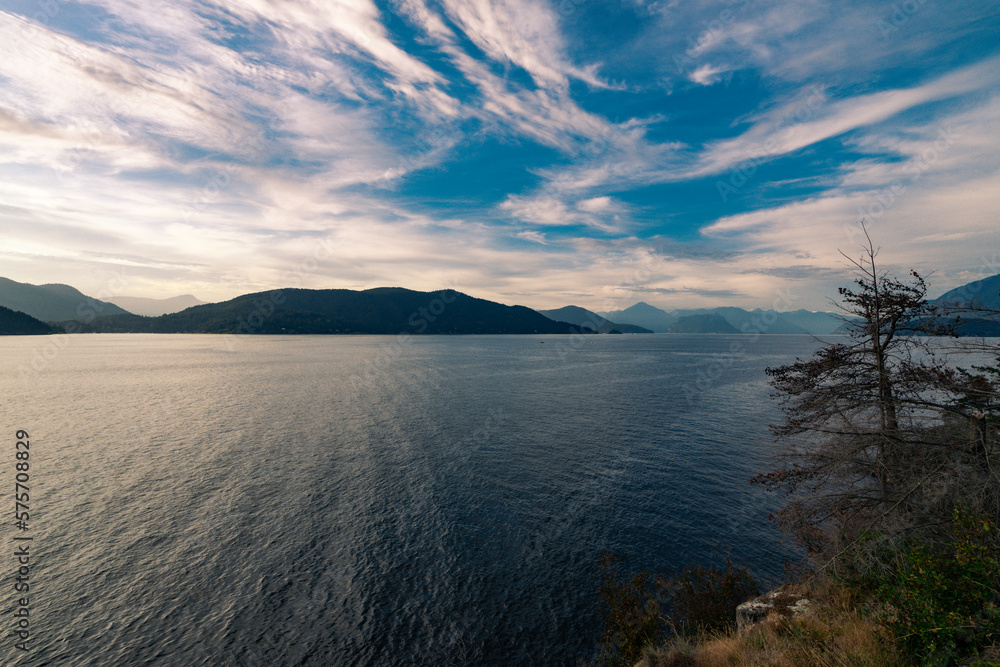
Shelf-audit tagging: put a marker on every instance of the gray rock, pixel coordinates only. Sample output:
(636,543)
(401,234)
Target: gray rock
(780,601)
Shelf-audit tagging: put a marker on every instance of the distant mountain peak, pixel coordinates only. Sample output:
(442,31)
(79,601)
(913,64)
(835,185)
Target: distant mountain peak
(643,306)
(138,305)
(586,318)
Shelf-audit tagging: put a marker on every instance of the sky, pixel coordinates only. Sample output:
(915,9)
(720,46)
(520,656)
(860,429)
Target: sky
(536,152)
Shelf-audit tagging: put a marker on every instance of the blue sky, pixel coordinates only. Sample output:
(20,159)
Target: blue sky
(528,151)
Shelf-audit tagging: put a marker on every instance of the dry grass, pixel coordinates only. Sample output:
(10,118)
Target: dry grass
(833,634)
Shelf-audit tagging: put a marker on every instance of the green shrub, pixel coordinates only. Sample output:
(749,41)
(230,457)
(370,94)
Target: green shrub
(705,598)
(642,611)
(945,602)
(632,613)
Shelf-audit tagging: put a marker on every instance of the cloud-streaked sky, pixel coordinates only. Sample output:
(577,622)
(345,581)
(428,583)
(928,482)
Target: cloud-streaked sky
(541,152)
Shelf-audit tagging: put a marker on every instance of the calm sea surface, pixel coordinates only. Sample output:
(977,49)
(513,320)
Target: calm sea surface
(212,500)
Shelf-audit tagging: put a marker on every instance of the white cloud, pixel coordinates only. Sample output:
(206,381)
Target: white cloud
(536,237)
(706,75)
(546,211)
(521,32)
(525,35)
(553,211)
(934,208)
(596,205)
(814,118)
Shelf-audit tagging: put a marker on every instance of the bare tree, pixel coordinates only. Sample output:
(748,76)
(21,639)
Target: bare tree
(869,446)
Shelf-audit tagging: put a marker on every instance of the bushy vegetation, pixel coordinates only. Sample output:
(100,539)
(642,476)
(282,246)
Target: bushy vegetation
(939,606)
(642,611)
(632,611)
(835,634)
(705,598)
(943,601)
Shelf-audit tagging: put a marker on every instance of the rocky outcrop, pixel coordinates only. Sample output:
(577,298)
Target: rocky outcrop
(781,601)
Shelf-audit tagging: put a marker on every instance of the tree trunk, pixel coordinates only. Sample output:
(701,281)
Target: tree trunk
(977,437)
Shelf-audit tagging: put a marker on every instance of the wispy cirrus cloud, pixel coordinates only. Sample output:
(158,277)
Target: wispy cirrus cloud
(523,33)
(939,191)
(806,122)
(513,34)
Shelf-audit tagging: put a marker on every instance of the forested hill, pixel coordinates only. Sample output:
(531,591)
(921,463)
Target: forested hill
(13,322)
(384,310)
(984,293)
(52,302)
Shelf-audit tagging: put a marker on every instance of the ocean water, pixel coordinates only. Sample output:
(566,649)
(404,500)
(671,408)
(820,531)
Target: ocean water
(366,500)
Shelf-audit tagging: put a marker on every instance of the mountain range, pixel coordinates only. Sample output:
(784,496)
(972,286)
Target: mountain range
(585,318)
(755,321)
(53,302)
(394,310)
(383,310)
(702,323)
